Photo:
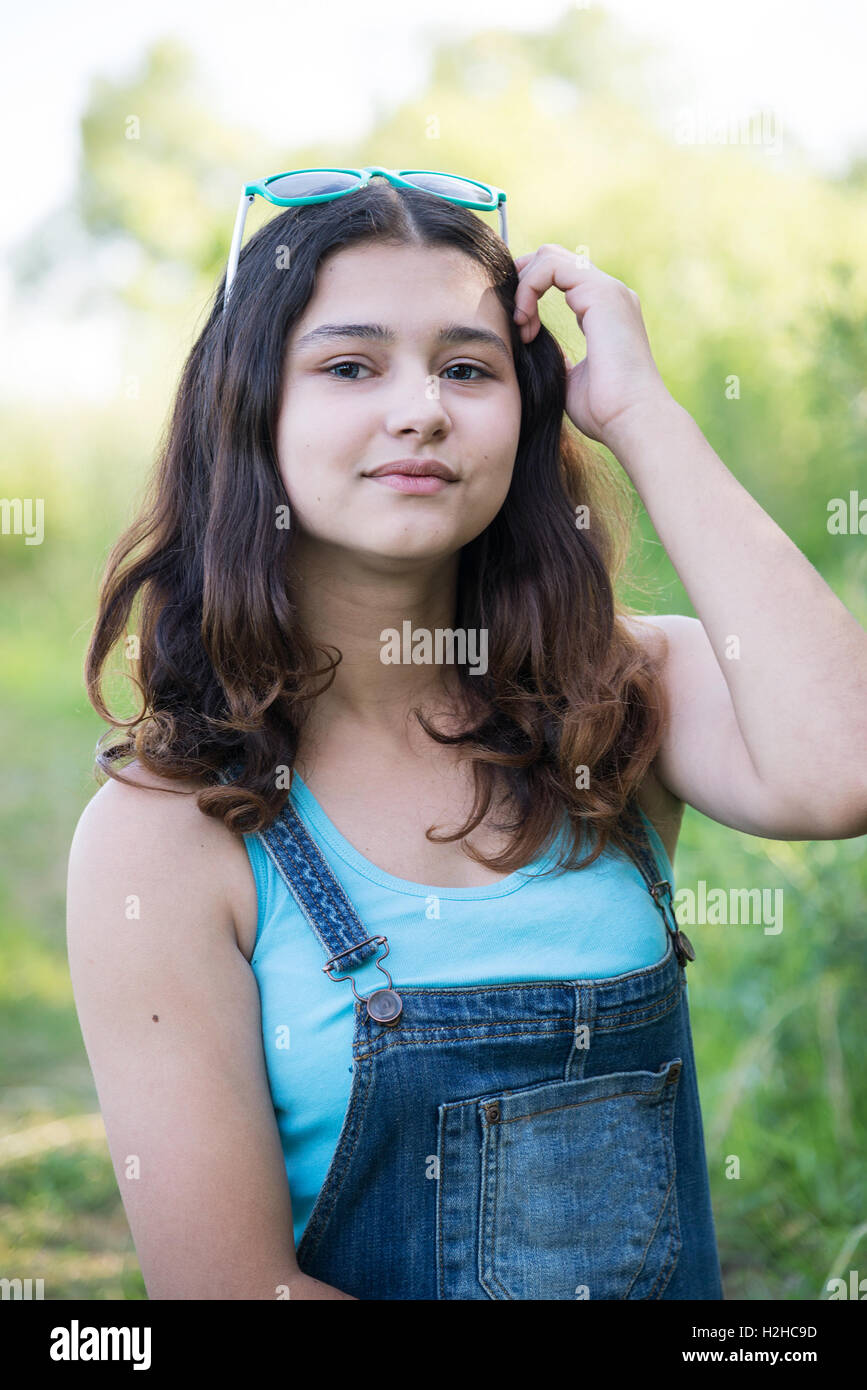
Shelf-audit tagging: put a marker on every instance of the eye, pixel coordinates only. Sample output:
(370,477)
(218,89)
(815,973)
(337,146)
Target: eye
(456,366)
(466,366)
(346,363)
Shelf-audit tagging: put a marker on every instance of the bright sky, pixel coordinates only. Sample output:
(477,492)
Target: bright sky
(262,62)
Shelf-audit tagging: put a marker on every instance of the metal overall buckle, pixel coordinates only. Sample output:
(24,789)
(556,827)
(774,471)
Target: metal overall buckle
(683,947)
(383,1005)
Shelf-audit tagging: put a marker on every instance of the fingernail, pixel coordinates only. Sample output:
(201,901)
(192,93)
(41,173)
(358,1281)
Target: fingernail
(520,316)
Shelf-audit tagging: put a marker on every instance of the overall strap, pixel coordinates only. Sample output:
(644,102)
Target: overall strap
(299,862)
(659,887)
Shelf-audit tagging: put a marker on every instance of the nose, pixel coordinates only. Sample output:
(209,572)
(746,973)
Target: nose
(417,405)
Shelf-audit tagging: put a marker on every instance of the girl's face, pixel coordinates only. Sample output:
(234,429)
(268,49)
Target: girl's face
(370,378)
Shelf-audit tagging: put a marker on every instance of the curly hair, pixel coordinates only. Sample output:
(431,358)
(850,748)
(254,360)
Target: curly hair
(226,672)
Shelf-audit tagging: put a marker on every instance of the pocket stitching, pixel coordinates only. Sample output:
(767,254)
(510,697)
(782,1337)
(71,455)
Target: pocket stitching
(670,1199)
(488,1291)
(677,1241)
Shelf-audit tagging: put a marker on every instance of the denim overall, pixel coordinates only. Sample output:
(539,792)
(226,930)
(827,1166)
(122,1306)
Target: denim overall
(509,1141)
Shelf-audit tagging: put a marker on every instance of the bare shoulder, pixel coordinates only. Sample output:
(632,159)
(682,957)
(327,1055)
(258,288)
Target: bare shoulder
(153,827)
(170,1016)
(156,814)
(659,636)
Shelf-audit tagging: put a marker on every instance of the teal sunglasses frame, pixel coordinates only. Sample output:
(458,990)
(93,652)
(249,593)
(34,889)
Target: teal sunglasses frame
(398,178)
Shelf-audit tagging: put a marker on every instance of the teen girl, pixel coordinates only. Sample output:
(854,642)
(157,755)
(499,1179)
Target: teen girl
(375,958)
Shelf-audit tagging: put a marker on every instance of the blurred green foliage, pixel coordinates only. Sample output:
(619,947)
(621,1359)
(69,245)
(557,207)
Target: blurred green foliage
(749,269)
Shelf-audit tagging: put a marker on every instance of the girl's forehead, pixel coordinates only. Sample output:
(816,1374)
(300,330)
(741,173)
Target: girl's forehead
(390,295)
(389,305)
(426,267)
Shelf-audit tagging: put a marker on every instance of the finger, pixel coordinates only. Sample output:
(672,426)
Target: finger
(533,283)
(552,265)
(557,267)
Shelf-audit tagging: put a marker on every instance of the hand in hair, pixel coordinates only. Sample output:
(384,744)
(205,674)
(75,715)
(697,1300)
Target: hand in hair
(618,375)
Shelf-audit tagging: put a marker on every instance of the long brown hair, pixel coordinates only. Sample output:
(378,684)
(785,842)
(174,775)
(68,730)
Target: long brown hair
(224,668)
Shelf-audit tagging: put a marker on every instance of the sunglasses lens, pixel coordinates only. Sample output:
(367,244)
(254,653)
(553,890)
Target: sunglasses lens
(448,186)
(310,182)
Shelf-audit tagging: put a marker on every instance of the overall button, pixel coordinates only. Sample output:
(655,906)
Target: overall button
(684,944)
(385,1006)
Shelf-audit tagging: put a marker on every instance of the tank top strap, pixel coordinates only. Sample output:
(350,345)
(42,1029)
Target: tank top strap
(321,898)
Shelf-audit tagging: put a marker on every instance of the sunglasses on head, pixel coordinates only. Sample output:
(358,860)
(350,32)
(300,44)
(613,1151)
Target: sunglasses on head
(298,187)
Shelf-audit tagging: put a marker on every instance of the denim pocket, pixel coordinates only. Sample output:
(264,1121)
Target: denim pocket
(578,1195)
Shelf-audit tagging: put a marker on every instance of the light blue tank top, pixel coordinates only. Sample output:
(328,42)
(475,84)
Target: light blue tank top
(587,924)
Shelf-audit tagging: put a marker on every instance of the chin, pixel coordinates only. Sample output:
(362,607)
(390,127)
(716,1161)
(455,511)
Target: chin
(409,547)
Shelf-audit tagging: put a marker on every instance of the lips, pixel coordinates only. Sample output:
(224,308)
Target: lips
(420,484)
(414,468)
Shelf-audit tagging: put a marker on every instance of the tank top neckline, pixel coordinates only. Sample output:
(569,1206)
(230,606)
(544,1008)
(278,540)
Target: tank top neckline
(309,808)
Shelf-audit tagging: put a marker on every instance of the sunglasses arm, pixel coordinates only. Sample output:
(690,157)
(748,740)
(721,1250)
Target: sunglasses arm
(504,230)
(237,238)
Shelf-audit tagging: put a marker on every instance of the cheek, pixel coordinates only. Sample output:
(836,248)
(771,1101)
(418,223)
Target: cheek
(486,487)
(318,489)
(494,442)
(315,441)
(500,426)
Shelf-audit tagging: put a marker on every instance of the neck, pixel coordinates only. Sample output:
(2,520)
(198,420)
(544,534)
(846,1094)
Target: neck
(349,606)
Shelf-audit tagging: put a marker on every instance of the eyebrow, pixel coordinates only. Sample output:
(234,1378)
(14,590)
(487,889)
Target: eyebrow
(377,332)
